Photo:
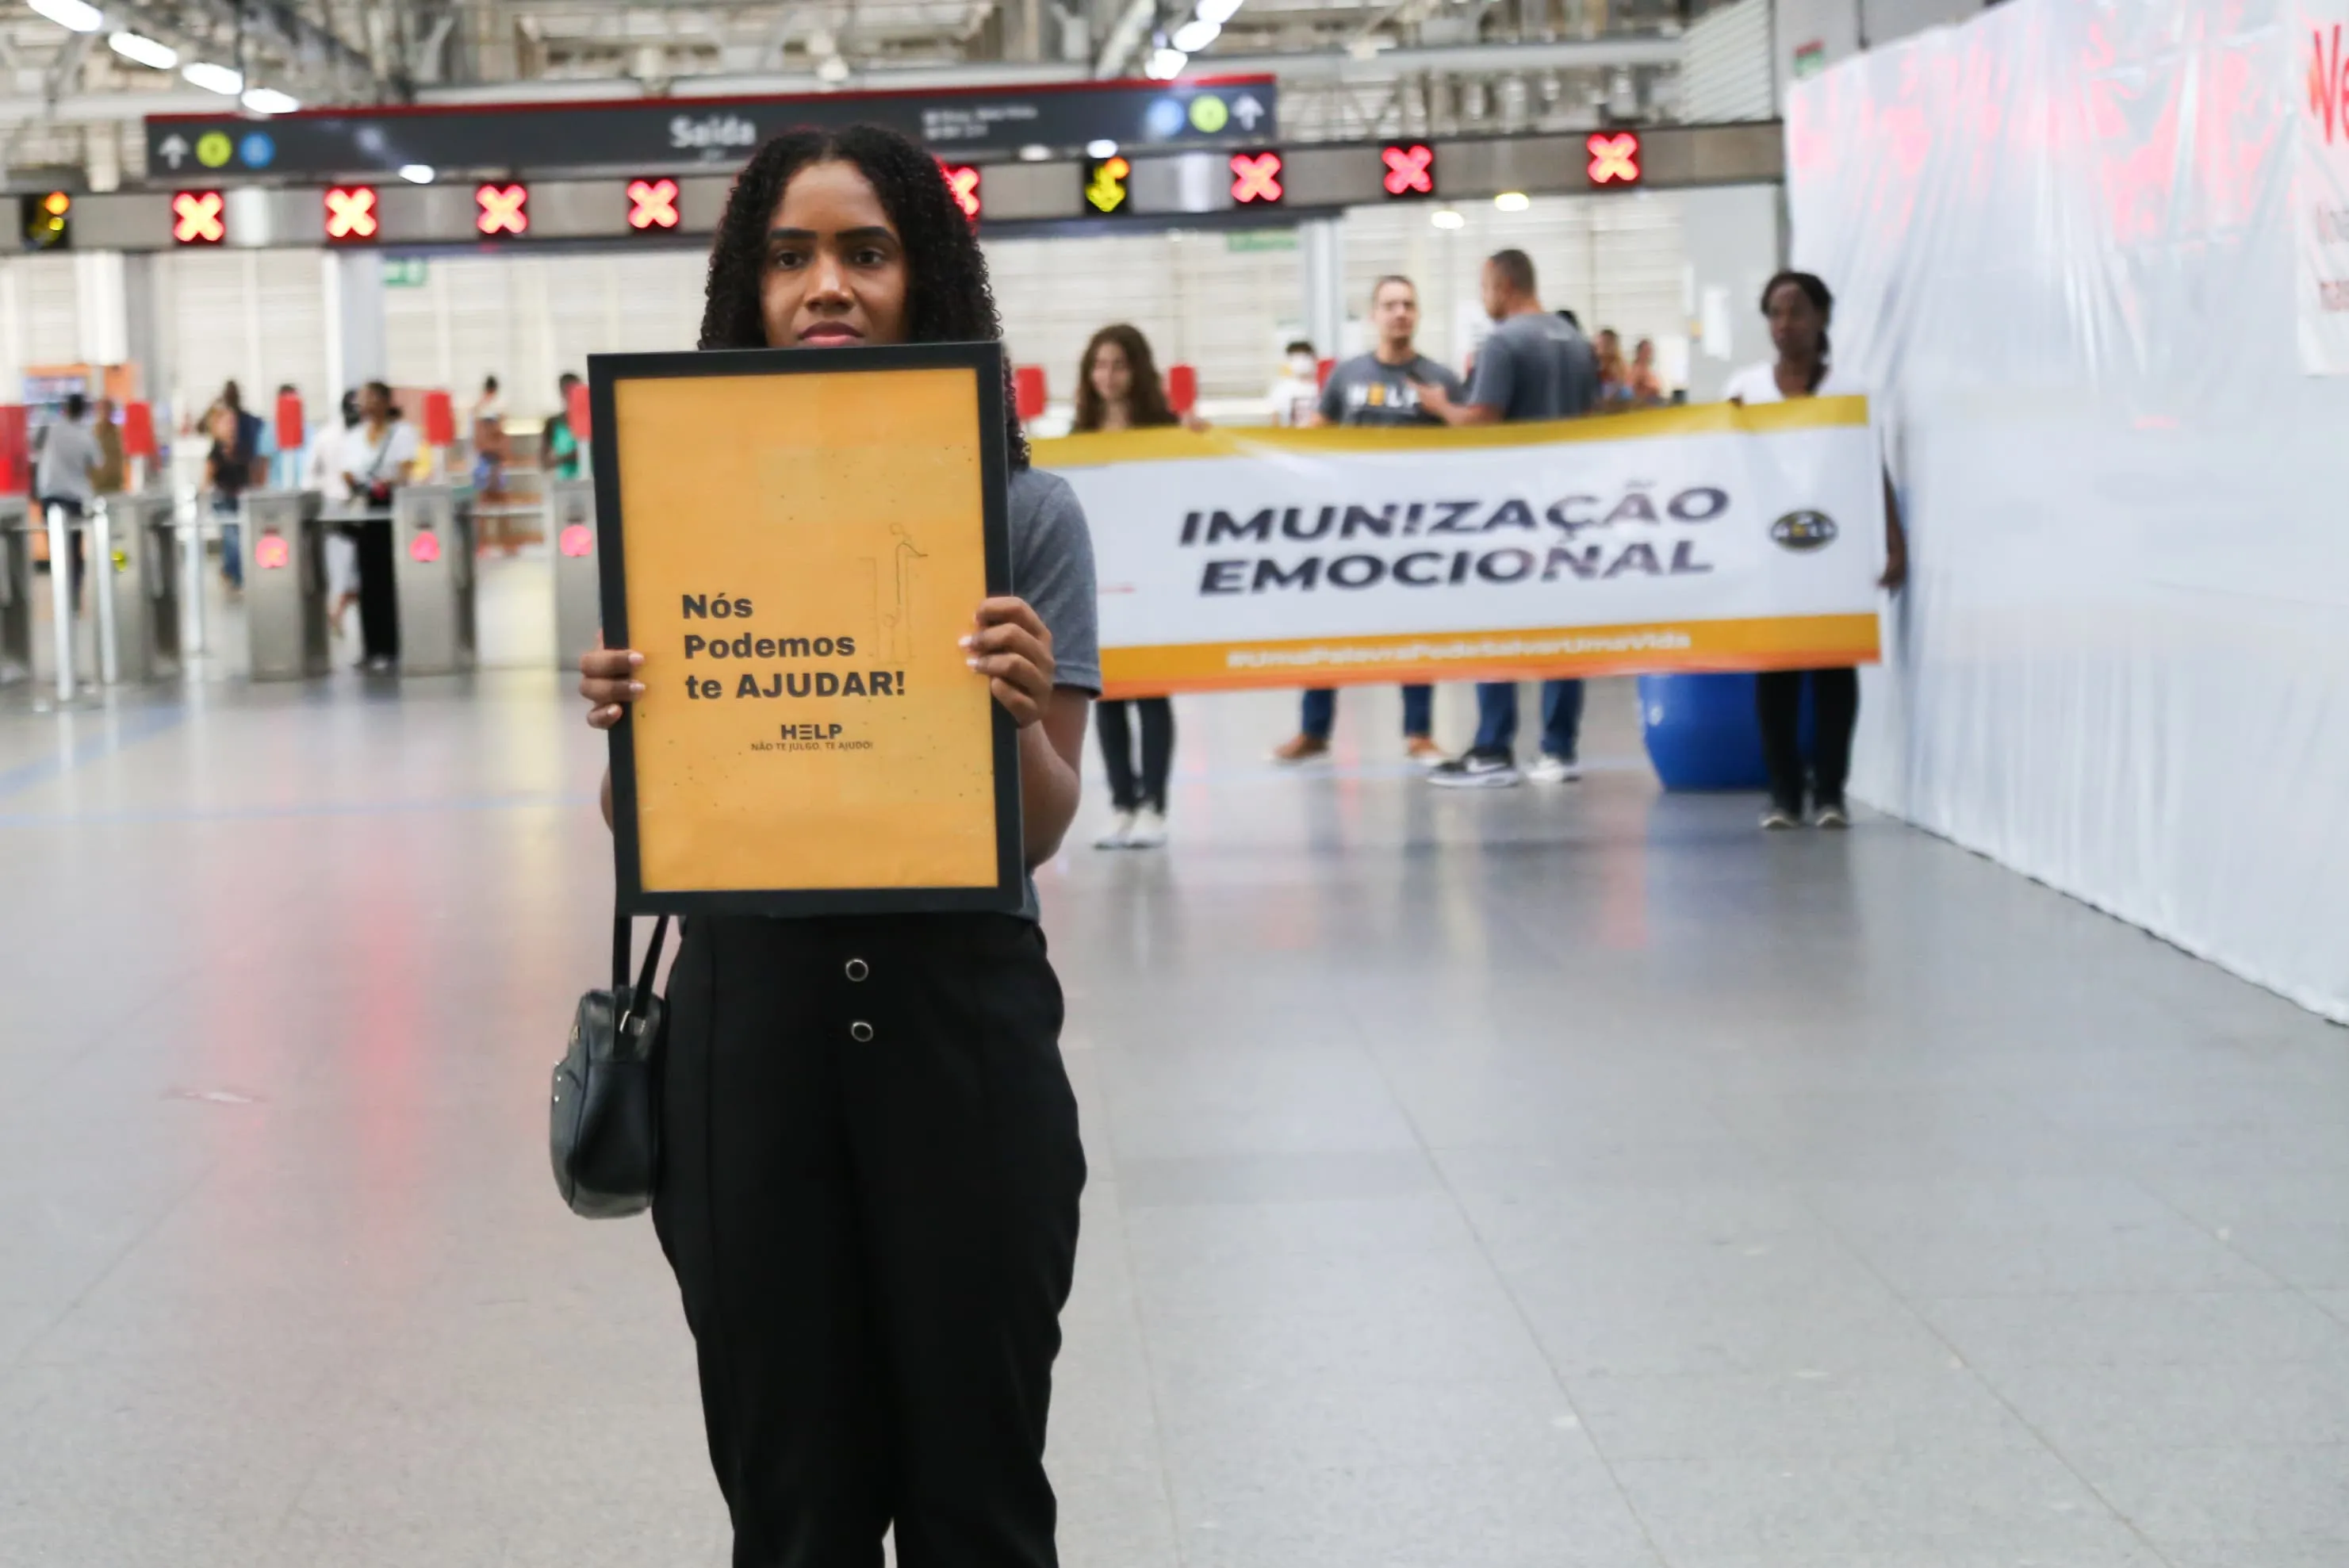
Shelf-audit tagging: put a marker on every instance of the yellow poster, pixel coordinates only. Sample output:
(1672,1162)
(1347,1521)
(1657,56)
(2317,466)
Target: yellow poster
(801,554)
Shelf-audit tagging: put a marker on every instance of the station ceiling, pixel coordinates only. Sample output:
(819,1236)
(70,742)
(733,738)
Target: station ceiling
(71,98)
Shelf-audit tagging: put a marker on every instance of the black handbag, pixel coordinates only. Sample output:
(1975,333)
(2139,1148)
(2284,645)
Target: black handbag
(603,1127)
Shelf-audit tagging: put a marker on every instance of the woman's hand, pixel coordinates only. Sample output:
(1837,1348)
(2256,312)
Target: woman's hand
(1013,648)
(607,679)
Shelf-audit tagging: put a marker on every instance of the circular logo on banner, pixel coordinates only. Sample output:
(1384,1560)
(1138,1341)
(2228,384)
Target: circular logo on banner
(1164,119)
(214,148)
(1209,114)
(256,150)
(1803,531)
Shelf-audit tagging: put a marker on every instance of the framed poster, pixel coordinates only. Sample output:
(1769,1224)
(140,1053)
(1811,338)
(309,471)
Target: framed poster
(796,540)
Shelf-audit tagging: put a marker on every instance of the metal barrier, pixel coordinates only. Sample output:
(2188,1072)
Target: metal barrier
(432,563)
(578,589)
(15,589)
(285,550)
(137,588)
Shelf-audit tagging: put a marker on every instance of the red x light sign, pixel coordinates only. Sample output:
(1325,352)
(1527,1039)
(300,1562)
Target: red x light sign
(1255,180)
(962,185)
(652,205)
(1410,169)
(351,214)
(1614,158)
(501,209)
(197,218)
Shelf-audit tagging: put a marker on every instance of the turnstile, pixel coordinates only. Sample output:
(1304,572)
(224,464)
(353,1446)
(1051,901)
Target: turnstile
(285,550)
(136,590)
(15,590)
(432,563)
(578,601)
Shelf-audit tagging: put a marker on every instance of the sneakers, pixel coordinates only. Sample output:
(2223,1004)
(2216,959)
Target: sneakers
(1424,752)
(1301,748)
(1143,829)
(1778,819)
(1550,769)
(1832,815)
(1480,768)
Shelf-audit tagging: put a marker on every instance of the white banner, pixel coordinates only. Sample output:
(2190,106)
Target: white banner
(1702,538)
(2320,182)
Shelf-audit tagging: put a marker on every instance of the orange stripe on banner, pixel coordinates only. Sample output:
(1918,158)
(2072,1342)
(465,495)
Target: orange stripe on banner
(1777,642)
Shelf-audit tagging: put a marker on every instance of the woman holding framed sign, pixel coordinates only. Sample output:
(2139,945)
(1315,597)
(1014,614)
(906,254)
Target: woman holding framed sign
(870,1165)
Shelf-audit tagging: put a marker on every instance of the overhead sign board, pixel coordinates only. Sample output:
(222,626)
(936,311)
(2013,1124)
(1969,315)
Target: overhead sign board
(686,133)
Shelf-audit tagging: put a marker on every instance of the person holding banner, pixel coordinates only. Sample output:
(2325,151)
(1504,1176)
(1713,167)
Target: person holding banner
(874,1234)
(1798,308)
(1119,388)
(1379,389)
(1534,365)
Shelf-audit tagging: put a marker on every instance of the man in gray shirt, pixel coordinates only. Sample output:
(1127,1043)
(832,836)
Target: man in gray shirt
(1380,387)
(63,477)
(1535,366)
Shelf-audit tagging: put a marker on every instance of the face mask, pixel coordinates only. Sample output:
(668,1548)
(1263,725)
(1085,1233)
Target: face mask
(1300,365)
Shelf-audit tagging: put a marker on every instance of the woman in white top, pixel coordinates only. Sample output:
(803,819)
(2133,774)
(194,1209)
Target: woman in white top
(1798,308)
(375,459)
(322,471)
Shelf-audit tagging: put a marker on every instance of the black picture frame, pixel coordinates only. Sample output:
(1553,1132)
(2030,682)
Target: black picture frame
(985,361)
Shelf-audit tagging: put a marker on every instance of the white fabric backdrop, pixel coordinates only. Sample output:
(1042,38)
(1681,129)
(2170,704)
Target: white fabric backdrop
(2062,242)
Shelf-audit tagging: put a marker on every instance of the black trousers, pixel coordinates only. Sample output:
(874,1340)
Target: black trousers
(378,588)
(1834,711)
(1128,791)
(869,1181)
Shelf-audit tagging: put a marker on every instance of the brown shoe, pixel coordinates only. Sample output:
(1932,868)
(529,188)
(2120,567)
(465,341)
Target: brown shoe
(1300,749)
(1422,751)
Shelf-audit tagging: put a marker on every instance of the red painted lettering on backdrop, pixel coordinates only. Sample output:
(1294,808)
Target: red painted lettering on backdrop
(2328,83)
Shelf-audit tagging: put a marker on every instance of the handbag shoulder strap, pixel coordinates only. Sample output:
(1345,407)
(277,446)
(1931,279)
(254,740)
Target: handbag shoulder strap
(622,935)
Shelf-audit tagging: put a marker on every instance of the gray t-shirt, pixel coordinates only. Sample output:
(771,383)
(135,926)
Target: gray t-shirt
(1052,570)
(1367,390)
(69,452)
(1536,367)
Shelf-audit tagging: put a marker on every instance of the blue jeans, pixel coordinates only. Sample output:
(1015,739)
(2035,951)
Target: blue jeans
(1496,717)
(1418,712)
(232,545)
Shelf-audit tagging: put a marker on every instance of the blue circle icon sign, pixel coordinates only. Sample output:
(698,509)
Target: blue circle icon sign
(256,150)
(1163,120)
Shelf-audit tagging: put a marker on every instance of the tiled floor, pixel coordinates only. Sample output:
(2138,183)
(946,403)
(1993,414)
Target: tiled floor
(1552,1179)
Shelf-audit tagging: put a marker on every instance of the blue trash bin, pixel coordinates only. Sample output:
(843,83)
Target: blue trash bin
(1702,732)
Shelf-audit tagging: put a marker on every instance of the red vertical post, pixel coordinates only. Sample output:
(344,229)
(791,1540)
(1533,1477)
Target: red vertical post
(16,451)
(1027,389)
(138,430)
(290,432)
(1182,388)
(440,419)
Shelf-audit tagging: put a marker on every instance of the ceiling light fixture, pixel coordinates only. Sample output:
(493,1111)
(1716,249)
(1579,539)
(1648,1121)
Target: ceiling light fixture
(269,100)
(1193,37)
(1447,218)
(832,69)
(1512,202)
(144,51)
(213,79)
(1165,65)
(1035,153)
(1105,148)
(78,15)
(417,174)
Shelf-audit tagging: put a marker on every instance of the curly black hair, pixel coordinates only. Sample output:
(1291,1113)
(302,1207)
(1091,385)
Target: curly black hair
(947,290)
